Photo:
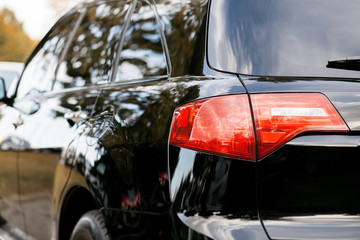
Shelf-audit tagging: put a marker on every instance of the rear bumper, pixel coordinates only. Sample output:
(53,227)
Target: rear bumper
(307,189)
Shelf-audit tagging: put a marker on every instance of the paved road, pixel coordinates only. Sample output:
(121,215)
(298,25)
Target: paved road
(36,202)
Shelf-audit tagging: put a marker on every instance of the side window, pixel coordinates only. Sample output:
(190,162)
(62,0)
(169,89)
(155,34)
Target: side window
(39,74)
(90,55)
(142,54)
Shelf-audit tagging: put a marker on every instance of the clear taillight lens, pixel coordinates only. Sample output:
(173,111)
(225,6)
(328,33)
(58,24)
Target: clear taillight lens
(224,126)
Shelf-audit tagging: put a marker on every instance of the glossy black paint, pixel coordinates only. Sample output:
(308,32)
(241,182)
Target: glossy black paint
(126,157)
(88,130)
(306,188)
(309,188)
(215,195)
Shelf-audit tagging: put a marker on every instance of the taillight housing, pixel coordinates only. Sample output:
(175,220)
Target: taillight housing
(227,125)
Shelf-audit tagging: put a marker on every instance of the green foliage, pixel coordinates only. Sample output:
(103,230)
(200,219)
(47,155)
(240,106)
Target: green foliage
(15,44)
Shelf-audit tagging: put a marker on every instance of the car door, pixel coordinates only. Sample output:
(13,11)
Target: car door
(126,166)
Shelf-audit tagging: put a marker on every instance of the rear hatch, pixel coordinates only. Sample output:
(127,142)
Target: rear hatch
(308,188)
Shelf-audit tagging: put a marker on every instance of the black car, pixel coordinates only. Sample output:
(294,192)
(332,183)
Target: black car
(187,119)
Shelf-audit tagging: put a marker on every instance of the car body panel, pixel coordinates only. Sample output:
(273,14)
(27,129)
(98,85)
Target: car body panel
(215,195)
(309,188)
(126,158)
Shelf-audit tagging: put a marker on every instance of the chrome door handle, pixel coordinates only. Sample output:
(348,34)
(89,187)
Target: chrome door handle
(76,116)
(19,122)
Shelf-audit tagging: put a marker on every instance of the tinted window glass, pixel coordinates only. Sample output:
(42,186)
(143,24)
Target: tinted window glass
(142,54)
(283,38)
(40,71)
(90,55)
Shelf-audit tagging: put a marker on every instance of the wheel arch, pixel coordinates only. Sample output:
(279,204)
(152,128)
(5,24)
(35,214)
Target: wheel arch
(77,201)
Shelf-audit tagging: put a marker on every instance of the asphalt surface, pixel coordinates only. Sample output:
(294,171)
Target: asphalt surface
(37,203)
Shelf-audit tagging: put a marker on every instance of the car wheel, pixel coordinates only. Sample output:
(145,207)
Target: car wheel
(90,226)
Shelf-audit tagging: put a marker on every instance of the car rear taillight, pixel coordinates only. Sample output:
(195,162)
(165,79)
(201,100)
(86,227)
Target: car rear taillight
(223,125)
(219,125)
(280,117)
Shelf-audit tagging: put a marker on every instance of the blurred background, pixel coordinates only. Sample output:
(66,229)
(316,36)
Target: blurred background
(23,23)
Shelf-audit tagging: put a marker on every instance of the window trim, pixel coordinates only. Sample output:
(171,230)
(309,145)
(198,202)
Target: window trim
(128,16)
(67,44)
(162,38)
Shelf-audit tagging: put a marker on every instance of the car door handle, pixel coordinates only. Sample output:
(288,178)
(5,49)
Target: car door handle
(76,116)
(19,122)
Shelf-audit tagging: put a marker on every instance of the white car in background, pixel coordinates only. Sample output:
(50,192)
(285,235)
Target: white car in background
(10,71)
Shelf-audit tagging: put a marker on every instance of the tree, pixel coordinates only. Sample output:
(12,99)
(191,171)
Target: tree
(15,44)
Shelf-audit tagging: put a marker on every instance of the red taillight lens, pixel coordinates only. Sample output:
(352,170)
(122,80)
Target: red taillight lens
(223,125)
(280,117)
(220,125)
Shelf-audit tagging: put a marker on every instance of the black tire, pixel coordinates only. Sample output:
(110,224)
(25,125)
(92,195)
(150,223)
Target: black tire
(91,226)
